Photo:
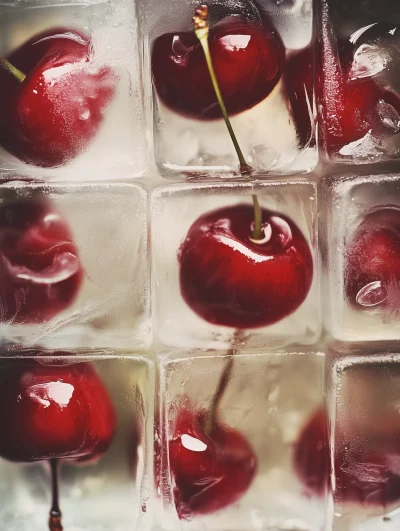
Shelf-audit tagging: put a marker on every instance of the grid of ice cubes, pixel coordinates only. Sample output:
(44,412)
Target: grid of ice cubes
(149,348)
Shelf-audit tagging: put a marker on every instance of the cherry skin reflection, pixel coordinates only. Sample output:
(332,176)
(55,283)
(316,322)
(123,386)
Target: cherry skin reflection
(49,117)
(248,59)
(211,471)
(229,279)
(40,269)
(54,412)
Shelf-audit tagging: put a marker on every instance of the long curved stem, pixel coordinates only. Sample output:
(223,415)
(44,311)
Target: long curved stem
(18,75)
(201,30)
(219,393)
(55,512)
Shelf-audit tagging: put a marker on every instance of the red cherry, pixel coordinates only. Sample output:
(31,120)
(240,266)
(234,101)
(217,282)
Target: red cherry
(299,88)
(52,412)
(366,469)
(248,60)
(50,117)
(229,279)
(352,107)
(311,459)
(372,271)
(209,472)
(40,271)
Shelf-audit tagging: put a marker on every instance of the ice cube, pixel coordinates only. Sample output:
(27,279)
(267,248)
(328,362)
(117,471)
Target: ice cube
(358,96)
(174,209)
(259,418)
(362,282)
(115,129)
(75,265)
(109,493)
(365,438)
(189,133)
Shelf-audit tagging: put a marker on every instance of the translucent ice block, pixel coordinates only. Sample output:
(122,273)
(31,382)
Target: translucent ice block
(118,147)
(358,96)
(174,209)
(266,403)
(110,493)
(75,265)
(360,256)
(365,447)
(274,125)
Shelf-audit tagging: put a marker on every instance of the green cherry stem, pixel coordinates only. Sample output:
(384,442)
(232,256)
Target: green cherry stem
(18,75)
(201,29)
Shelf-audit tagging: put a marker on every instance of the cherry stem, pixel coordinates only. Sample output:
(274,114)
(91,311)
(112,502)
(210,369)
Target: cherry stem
(19,76)
(202,29)
(55,512)
(219,393)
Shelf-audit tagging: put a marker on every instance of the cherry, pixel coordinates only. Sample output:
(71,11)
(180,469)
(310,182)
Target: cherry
(50,113)
(366,469)
(209,471)
(311,454)
(229,279)
(372,270)
(299,88)
(53,412)
(40,272)
(352,106)
(248,59)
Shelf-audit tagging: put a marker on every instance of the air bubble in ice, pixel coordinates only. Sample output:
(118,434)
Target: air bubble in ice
(389,116)
(372,294)
(369,60)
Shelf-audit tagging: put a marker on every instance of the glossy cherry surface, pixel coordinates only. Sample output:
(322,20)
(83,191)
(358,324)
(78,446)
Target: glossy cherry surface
(50,411)
(230,280)
(40,272)
(372,271)
(209,472)
(52,115)
(248,59)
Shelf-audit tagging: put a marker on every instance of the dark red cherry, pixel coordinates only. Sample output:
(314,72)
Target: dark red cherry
(52,412)
(229,279)
(53,114)
(209,472)
(366,468)
(299,88)
(40,271)
(352,106)
(248,59)
(372,270)
(311,459)
(362,106)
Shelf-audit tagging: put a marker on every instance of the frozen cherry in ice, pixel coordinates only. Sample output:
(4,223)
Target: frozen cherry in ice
(40,273)
(372,271)
(248,59)
(209,471)
(53,411)
(311,454)
(230,279)
(353,106)
(52,98)
(365,468)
